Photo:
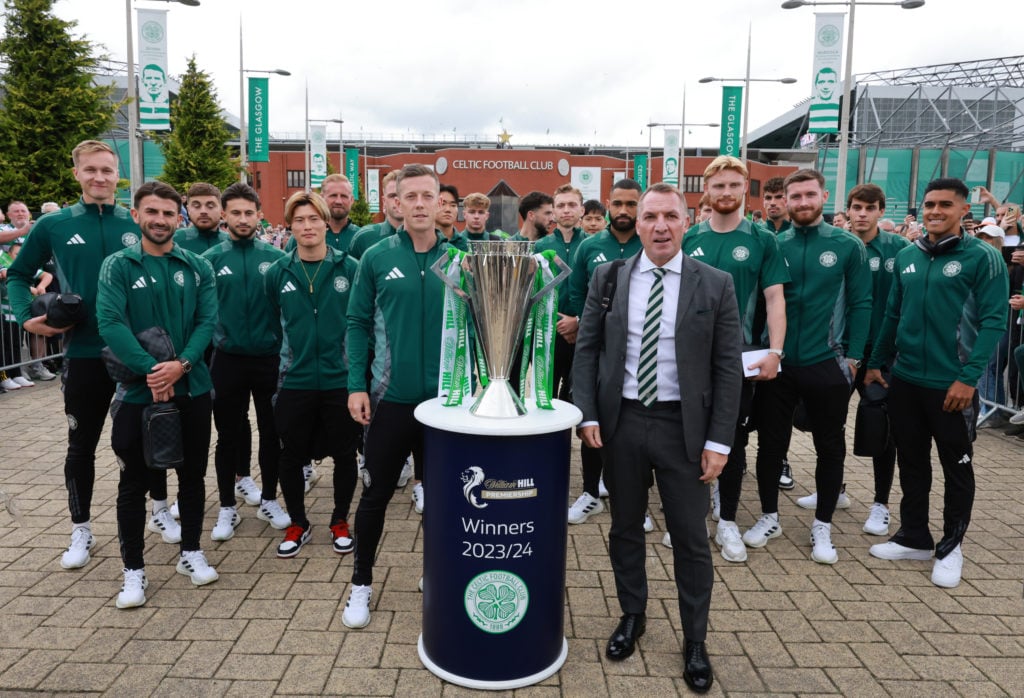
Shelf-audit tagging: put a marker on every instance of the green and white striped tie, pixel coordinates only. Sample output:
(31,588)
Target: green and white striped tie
(647,371)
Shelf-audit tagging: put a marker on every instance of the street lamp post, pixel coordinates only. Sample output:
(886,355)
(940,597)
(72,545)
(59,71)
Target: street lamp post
(135,175)
(844,116)
(243,174)
(746,80)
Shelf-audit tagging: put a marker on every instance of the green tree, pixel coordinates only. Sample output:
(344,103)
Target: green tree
(50,102)
(360,211)
(196,149)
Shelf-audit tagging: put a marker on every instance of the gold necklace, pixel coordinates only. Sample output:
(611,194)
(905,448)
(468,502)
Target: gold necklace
(311,280)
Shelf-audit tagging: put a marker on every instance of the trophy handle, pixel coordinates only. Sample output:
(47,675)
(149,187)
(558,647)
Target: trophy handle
(436,268)
(559,278)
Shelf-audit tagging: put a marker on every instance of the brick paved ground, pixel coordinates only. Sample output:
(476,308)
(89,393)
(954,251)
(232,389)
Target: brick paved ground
(780,624)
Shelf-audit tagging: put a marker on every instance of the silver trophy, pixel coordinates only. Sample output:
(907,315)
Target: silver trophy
(500,276)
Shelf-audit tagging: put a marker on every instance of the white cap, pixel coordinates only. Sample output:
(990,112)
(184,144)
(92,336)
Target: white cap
(993,231)
(988,220)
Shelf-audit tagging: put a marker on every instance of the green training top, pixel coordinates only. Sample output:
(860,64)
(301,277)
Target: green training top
(244,325)
(882,251)
(396,308)
(314,323)
(751,256)
(368,236)
(829,298)
(566,251)
(199,241)
(945,314)
(175,291)
(596,250)
(78,238)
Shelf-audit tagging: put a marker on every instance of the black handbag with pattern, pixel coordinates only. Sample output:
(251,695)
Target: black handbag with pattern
(162,444)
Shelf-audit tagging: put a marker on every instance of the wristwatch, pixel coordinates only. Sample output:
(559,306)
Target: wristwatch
(186,365)
(778,352)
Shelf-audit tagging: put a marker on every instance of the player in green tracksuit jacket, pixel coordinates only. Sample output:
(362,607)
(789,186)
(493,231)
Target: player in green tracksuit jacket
(397,304)
(158,284)
(203,204)
(78,239)
(592,252)
(199,241)
(309,293)
(945,316)
(368,236)
(829,298)
(336,190)
(244,363)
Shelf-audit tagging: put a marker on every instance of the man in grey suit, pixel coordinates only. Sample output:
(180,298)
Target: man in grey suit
(658,375)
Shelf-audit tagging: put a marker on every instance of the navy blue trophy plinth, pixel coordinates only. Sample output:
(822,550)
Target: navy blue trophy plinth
(494,544)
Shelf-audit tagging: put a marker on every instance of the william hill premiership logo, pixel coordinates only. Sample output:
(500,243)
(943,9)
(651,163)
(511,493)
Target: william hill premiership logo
(475,482)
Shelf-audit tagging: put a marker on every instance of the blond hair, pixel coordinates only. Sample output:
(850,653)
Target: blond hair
(301,198)
(723,163)
(476,200)
(86,147)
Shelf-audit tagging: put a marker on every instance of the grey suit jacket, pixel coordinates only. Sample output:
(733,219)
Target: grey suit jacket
(708,348)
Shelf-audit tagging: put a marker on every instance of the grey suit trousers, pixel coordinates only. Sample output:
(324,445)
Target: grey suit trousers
(648,445)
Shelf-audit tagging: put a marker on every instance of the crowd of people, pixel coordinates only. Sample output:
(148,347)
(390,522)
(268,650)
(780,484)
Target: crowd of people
(675,347)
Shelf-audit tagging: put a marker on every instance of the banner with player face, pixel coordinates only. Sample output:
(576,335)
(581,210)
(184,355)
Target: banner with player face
(828,57)
(154,102)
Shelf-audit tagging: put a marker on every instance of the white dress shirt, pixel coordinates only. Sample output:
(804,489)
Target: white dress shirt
(640,282)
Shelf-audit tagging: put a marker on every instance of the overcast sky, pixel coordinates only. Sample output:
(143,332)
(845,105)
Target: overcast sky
(555,71)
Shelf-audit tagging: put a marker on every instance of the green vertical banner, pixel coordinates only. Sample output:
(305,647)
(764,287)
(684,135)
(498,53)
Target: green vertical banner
(732,109)
(259,133)
(352,169)
(640,170)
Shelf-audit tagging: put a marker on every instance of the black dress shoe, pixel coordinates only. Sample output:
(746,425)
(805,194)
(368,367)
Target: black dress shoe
(623,641)
(697,667)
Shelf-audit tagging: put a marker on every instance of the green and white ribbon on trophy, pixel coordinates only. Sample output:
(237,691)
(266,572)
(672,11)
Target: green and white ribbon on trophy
(453,378)
(539,337)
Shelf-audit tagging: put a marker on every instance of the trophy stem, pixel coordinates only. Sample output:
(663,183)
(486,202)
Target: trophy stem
(498,401)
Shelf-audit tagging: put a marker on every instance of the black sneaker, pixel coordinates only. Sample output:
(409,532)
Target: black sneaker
(786,478)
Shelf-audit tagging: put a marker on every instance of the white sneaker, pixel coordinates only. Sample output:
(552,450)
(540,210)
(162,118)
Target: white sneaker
(227,521)
(41,373)
(822,549)
(406,474)
(583,507)
(271,512)
(766,528)
(417,498)
(895,551)
(878,520)
(23,382)
(163,523)
(247,489)
(192,563)
(716,504)
(1017,418)
(811,501)
(310,475)
(602,491)
(946,572)
(9,384)
(648,523)
(666,540)
(77,554)
(175,511)
(357,608)
(728,538)
(133,589)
